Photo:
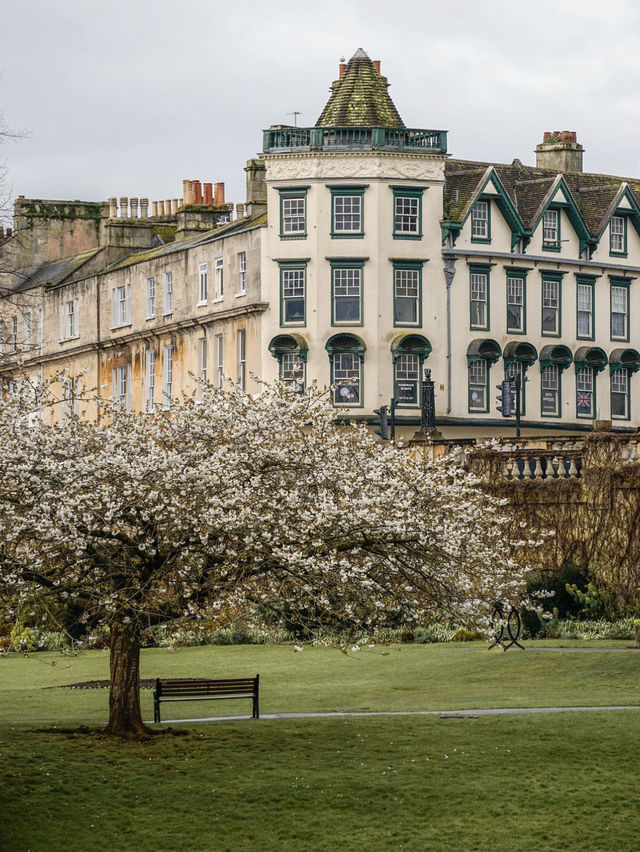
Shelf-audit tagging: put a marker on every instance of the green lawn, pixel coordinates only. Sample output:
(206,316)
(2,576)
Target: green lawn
(547,782)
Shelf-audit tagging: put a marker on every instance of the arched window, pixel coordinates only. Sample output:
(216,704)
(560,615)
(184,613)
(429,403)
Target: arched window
(481,354)
(588,360)
(346,358)
(409,352)
(290,350)
(622,364)
(554,358)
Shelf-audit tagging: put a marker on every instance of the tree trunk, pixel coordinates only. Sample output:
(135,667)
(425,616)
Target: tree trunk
(125,718)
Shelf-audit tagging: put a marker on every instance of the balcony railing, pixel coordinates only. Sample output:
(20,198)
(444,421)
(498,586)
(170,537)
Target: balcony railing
(354,139)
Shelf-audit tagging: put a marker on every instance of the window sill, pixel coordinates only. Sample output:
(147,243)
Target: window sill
(407,236)
(347,236)
(167,313)
(118,327)
(151,317)
(550,248)
(484,240)
(240,295)
(201,304)
(293,236)
(217,300)
(618,254)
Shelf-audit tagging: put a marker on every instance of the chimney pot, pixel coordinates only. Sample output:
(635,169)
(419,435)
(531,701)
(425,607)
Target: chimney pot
(239,210)
(376,65)
(134,207)
(208,194)
(188,195)
(124,207)
(113,207)
(160,208)
(144,208)
(219,194)
(154,209)
(341,69)
(197,188)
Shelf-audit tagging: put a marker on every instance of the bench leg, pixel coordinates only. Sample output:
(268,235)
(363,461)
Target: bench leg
(156,709)
(256,707)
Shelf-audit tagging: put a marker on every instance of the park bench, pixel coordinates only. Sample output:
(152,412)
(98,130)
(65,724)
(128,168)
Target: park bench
(200,689)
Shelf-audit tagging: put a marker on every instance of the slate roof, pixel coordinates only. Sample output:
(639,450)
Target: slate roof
(528,188)
(56,272)
(360,98)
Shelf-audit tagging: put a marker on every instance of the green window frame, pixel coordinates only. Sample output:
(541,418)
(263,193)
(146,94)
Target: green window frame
(620,316)
(511,370)
(551,229)
(407,212)
(481,221)
(586,392)
(407,294)
(551,305)
(409,352)
(293,212)
(516,311)
(293,293)
(347,211)
(290,350)
(620,390)
(347,280)
(551,391)
(585,308)
(618,235)
(346,362)
(479,297)
(478,386)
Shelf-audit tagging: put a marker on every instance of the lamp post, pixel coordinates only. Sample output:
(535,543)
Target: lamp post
(428,403)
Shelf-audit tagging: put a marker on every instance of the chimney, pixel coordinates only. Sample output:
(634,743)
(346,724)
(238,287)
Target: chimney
(239,211)
(176,205)
(560,152)
(154,209)
(113,208)
(198,191)
(134,207)
(219,195)
(144,208)
(208,194)
(160,208)
(341,69)
(124,207)
(188,195)
(376,65)
(256,187)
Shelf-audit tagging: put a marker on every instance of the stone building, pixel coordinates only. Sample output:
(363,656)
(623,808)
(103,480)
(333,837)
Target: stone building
(364,254)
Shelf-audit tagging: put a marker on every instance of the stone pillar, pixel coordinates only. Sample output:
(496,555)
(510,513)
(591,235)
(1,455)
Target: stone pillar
(134,207)
(144,208)
(113,208)
(124,207)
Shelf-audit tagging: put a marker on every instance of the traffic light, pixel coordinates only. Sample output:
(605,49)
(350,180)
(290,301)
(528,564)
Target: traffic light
(505,398)
(382,413)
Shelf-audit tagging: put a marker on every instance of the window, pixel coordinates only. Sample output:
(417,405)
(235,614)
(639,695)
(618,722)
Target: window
(151,298)
(620,394)
(551,306)
(479,299)
(121,306)
(480,222)
(68,399)
(407,213)
(167,376)
(347,211)
(168,293)
(517,368)
(346,285)
(619,311)
(346,354)
(291,353)
(478,380)
(293,213)
(585,392)
(202,281)
(516,290)
(121,378)
(219,280)
(585,310)
(242,273)
(219,348)
(40,325)
(28,330)
(550,391)
(618,235)
(242,358)
(407,380)
(150,379)
(407,287)
(292,294)
(69,326)
(3,335)
(202,359)
(551,230)
(13,333)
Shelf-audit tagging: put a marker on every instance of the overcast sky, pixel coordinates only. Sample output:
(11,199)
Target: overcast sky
(131,96)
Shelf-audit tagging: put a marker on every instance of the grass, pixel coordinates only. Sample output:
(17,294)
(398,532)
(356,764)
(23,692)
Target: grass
(548,782)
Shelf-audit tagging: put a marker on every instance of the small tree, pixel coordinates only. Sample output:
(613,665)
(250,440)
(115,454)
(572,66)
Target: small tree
(238,505)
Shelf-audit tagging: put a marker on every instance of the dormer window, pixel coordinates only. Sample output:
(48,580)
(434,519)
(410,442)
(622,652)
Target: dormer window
(551,230)
(618,235)
(480,223)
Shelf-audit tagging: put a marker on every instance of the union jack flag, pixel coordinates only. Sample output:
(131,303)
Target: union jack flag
(583,400)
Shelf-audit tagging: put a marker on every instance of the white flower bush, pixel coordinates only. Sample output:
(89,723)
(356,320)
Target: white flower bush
(258,507)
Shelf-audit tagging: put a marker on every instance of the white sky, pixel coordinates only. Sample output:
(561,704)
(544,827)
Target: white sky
(129,97)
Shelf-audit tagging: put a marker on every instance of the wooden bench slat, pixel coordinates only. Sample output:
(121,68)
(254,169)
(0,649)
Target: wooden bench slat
(203,689)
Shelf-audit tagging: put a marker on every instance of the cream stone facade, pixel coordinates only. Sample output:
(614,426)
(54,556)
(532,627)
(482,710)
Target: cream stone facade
(363,254)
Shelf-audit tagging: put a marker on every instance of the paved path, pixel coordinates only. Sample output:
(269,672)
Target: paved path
(443,714)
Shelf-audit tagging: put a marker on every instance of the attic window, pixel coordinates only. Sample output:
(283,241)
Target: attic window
(618,235)
(551,230)
(480,222)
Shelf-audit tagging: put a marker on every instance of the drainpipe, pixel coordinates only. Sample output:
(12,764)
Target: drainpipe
(449,273)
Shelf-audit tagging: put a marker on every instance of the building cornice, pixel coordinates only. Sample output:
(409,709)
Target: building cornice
(556,263)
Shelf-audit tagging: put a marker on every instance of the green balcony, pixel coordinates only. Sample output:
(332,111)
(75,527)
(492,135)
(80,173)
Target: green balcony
(284,139)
